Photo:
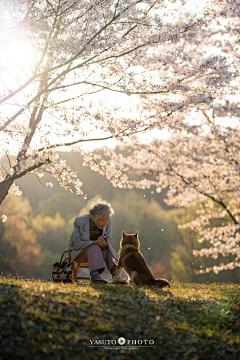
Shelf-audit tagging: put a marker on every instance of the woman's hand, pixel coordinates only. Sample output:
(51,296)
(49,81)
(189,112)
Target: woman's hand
(101,241)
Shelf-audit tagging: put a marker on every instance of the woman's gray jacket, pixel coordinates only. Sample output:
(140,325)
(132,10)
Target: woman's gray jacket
(80,238)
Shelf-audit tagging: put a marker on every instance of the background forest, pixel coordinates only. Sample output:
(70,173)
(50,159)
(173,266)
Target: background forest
(39,225)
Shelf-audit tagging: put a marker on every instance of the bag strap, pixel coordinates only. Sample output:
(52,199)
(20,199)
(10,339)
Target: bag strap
(69,256)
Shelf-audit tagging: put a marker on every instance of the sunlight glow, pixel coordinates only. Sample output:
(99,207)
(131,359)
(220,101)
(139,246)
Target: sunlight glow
(19,54)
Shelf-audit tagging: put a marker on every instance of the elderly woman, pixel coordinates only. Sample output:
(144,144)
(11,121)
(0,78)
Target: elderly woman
(92,233)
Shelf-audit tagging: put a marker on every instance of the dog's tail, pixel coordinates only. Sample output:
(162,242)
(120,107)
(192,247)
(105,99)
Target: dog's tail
(161,282)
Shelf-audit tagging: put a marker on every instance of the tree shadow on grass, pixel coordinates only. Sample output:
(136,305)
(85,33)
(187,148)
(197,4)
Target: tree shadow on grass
(193,328)
(59,324)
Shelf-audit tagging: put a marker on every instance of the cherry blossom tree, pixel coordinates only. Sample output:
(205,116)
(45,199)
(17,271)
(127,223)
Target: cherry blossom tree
(78,48)
(199,163)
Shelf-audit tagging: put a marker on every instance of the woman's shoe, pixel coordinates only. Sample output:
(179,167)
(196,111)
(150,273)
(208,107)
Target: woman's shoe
(99,279)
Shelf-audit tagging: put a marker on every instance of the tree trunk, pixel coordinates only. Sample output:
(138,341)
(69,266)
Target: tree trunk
(4,191)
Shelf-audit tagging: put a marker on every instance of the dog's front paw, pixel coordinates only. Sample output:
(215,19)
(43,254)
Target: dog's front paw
(120,280)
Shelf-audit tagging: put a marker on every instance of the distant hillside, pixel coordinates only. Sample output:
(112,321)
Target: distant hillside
(40,223)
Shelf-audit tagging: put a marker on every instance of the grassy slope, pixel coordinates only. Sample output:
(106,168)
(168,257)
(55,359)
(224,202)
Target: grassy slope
(41,320)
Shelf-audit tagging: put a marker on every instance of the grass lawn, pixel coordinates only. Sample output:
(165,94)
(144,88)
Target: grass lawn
(43,320)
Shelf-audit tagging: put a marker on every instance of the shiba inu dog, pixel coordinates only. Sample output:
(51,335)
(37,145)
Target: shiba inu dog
(134,264)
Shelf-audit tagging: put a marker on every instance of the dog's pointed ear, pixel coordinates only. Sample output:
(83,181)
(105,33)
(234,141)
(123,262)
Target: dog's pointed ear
(123,234)
(136,235)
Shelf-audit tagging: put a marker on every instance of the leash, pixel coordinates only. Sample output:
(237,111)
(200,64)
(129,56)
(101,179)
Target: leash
(111,252)
(108,248)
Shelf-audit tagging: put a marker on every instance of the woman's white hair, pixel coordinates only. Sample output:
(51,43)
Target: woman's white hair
(99,208)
